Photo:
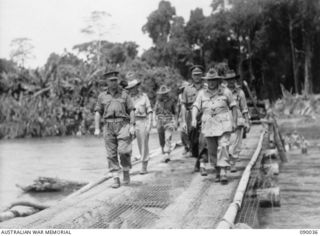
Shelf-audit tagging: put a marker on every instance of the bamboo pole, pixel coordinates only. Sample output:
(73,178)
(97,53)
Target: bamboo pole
(228,219)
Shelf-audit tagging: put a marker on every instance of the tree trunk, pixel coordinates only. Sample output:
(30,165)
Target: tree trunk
(241,59)
(293,57)
(252,78)
(307,65)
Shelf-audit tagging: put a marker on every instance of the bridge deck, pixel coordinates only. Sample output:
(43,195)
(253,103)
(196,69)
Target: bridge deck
(170,196)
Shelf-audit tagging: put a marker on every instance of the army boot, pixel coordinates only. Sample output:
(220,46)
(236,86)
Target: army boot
(116,182)
(144,168)
(197,166)
(126,177)
(203,170)
(233,168)
(224,178)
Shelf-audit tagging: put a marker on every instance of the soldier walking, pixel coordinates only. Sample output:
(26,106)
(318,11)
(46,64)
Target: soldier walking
(117,110)
(243,123)
(183,133)
(143,116)
(188,97)
(217,122)
(165,116)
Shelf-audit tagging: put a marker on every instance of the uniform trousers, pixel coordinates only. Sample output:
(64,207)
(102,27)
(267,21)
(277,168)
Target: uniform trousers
(236,142)
(218,153)
(142,135)
(118,142)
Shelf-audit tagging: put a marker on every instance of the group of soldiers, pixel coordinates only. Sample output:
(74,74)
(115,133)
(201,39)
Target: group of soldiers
(213,113)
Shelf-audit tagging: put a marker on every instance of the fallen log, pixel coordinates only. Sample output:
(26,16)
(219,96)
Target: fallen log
(21,209)
(37,205)
(47,184)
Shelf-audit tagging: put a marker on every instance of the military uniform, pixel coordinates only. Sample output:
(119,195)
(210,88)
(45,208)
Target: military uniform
(115,110)
(183,133)
(236,137)
(142,110)
(165,111)
(188,97)
(216,122)
(143,117)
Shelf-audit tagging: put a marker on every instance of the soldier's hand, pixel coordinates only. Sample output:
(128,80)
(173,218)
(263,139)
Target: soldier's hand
(132,131)
(184,126)
(194,123)
(97,132)
(234,126)
(247,128)
(154,123)
(148,128)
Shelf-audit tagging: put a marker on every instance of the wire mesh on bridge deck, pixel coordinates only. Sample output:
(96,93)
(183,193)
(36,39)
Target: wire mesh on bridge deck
(248,213)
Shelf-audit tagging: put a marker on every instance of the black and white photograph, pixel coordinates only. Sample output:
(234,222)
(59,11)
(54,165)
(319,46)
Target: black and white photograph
(159,114)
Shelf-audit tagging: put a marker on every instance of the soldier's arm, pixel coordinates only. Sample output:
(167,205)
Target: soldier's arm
(183,107)
(154,113)
(232,104)
(131,109)
(243,106)
(197,105)
(98,111)
(97,118)
(149,110)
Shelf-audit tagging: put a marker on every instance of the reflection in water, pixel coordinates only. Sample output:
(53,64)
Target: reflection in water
(73,158)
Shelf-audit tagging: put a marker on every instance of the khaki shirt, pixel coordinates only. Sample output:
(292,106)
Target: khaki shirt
(165,109)
(142,105)
(117,105)
(216,105)
(189,95)
(242,107)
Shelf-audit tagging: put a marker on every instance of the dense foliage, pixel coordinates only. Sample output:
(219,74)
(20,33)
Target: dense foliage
(269,42)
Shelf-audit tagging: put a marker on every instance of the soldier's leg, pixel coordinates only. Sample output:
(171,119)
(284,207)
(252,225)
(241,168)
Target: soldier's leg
(125,150)
(212,144)
(168,139)
(235,147)
(185,141)
(203,155)
(140,127)
(223,158)
(161,135)
(144,136)
(186,133)
(124,145)
(111,144)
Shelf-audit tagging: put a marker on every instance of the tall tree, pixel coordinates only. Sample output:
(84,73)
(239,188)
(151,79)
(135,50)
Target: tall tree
(98,25)
(21,50)
(159,23)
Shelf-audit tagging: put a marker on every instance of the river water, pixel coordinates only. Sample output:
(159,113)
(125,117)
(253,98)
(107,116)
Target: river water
(299,182)
(81,159)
